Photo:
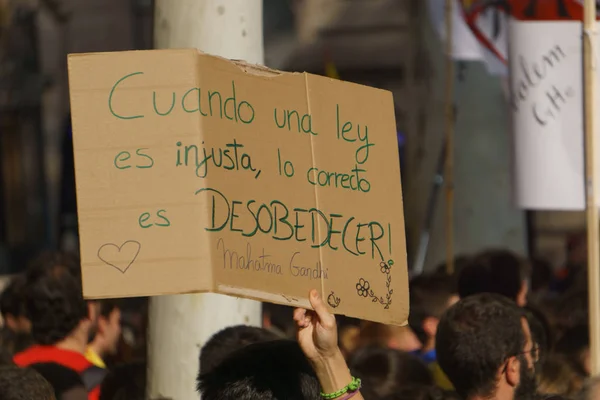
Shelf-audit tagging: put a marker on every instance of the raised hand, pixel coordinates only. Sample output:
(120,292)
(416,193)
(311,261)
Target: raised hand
(317,336)
(317,330)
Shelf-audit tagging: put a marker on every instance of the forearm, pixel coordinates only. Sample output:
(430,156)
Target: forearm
(333,374)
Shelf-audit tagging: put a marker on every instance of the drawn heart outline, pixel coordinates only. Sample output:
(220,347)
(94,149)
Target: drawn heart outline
(115,265)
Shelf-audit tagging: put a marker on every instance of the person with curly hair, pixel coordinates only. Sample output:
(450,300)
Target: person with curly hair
(62,323)
(23,384)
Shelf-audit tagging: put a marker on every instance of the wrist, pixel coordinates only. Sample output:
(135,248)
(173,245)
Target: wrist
(332,371)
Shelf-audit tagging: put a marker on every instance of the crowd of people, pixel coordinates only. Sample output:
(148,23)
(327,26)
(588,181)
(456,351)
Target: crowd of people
(499,327)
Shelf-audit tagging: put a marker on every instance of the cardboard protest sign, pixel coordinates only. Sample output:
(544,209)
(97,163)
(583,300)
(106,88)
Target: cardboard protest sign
(199,174)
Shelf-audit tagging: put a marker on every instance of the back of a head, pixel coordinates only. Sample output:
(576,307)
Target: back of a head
(228,340)
(12,298)
(475,337)
(494,271)
(430,296)
(384,371)
(460,262)
(273,370)
(23,384)
(125,382)
(55,301)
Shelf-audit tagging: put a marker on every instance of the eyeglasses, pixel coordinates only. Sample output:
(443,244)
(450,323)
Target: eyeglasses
(535,355)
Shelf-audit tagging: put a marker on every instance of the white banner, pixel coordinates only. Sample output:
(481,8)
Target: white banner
(546,104)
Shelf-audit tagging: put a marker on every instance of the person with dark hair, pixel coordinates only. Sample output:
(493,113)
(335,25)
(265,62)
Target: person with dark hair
(574,345)
(228,340)
(12,306)
(107,335)
(430,297)
(495,271)
(15,336)
(265,370)
(61,325)
(23,384)
(125,382)
(460,262)
(384,371)
(484,346)
(282,369)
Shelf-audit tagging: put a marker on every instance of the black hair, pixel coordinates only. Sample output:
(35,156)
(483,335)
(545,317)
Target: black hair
(474,339)
(493,271)
(384,371)
(429,297)
(12,299)
(125,382)
(226,341)
(54,299)
(23,384)
(262,371)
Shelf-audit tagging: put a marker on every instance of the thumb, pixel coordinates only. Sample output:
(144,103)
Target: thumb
(317,303)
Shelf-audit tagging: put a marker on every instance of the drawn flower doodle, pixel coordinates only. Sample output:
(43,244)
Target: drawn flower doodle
(363,287)
(385,268)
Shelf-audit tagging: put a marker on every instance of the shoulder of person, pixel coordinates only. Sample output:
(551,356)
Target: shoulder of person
(92,377)
(60,377)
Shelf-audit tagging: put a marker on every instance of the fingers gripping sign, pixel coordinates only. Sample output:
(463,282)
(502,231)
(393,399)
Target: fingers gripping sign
(317,336)
(317,330)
